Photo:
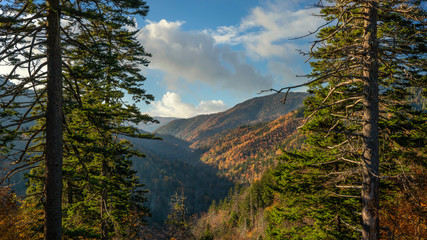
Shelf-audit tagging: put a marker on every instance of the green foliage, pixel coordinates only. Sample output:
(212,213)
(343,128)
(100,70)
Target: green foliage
(314,193)
(177,221)
(101,63)
(320,184)
(240,213)
(7,135)
(307,208)
(207,235)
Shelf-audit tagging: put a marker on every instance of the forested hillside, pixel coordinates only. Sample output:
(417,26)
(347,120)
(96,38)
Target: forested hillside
(252,111)
(176,170)
(81,156)
(244,153)
(363,162)
(205,170)
(276,207)
(150,127)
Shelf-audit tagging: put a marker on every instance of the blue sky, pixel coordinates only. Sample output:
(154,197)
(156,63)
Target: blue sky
(210,55)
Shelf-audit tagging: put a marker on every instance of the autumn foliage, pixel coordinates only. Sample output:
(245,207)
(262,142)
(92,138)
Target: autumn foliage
(8,209)
(404,215)
(244,153)
(18,219)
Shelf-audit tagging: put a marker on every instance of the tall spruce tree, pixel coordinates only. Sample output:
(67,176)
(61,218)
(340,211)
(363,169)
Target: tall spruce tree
(53,148)
(367,56)
(101,60)
(177,222)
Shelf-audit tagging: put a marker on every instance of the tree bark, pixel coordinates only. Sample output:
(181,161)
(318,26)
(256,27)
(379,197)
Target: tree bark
(370,171)
(53,191)
(104,196)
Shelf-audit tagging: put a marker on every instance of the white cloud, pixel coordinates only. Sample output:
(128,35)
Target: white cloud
(286,75)
(266,31)
(196,57)
(172,105)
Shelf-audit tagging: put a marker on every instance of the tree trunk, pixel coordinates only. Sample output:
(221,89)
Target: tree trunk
(53,192)
(370,172)
(104,196)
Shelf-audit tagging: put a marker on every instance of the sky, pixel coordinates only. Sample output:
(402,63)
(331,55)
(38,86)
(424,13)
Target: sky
(209,55)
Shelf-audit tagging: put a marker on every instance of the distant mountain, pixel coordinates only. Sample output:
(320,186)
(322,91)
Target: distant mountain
(206,169)
(151,127)
(223,152)
(252,111)
(186,164)
(20,101)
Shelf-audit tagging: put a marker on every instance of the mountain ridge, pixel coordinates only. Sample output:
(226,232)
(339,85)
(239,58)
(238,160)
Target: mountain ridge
(254,110)
(151,127)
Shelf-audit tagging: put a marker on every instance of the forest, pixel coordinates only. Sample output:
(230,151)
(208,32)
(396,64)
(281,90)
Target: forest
(346,159)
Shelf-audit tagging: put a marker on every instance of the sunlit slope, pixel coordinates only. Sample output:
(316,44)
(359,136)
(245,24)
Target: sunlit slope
(244,153)
(255,110)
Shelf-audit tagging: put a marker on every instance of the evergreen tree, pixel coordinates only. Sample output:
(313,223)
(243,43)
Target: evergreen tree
(53,147)
(101,60)
(177,222)
(16,28)
(369,54)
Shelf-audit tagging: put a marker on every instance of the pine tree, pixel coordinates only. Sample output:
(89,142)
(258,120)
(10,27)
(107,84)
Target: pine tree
(54,135)
(177,221)
(367,57)
(101,60)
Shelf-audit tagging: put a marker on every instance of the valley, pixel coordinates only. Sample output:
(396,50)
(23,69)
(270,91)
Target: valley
(154,120)
(227,148)
(235,146)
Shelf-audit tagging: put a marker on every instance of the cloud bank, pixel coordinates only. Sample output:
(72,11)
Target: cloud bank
(196,57)
(172,105)
(229,57)
(266,33)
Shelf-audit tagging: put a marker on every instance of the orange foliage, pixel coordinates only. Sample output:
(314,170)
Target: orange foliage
(246,152)
(8,211)
(16,219)
(405,216)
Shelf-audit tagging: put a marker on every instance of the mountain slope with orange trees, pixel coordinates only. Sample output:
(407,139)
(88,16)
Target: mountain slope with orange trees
(244,153)
(252,111)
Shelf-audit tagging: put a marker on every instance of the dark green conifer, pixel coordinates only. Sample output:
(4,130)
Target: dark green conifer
(177,222)
(369,47)
(101,61)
